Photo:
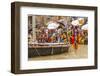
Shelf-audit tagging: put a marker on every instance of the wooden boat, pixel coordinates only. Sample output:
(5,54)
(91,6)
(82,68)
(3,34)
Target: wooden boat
(44,49)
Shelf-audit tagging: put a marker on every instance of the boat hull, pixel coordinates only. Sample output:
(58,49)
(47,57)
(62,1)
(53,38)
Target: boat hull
(35,52)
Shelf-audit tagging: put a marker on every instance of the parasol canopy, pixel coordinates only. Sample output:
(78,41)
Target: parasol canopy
(81,21)
(75,22)
(53,26)
(85,27)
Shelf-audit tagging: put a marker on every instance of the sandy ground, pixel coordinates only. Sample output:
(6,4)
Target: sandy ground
(81,52)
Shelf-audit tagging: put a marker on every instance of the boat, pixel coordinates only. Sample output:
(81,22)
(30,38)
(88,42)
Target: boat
(46,49)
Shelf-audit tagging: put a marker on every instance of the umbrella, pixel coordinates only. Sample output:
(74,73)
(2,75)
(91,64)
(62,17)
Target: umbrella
(75,22)
(85,27)
(81,21)
(53,26)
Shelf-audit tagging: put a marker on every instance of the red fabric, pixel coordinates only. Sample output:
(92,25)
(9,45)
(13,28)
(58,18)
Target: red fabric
(72,39)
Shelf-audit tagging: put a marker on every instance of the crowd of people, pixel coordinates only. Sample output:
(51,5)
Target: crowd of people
(59,31)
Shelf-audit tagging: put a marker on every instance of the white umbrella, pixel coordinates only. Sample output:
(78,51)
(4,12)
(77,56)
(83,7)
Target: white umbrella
(53,26)
(85,27)
(75,23)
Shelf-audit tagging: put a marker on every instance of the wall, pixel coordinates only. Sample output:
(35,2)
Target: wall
(5,33)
